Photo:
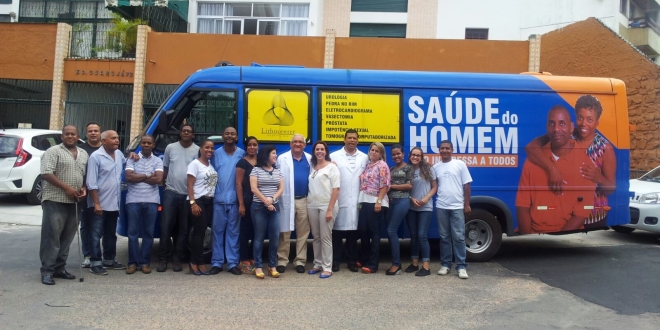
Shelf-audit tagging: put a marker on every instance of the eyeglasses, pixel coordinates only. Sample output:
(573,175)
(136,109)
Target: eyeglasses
(314,174)
(186,131)
(416,156)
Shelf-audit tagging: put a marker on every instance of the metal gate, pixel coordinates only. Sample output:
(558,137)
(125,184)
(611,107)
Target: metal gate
(107,104)
(26,102)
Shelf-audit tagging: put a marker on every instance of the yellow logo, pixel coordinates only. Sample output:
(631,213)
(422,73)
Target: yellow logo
(278,114)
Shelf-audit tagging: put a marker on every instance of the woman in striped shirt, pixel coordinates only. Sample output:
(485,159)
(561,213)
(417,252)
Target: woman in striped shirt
(267,184)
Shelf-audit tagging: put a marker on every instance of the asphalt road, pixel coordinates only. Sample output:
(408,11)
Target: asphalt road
(603,280)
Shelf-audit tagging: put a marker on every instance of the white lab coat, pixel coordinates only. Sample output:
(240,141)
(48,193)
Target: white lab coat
(287,200)
(347,218)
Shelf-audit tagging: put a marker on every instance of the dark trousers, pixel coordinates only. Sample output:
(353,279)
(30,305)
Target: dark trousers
(104,230)
(58,228)
(199,225)
(175,207)
(86,214)
(347,250)
(369,230)
(246,233)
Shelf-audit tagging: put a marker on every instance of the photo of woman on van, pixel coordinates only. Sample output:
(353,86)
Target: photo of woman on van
(602,171)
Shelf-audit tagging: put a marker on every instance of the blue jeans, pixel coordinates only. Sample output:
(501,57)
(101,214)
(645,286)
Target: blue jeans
(263,220)
(86,214)
(395,215)
(451,224)
(175,207)
(104,227)
(418,225)
(141,223)
(226,229)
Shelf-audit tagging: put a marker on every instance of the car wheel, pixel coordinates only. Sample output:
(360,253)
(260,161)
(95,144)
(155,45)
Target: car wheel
(34,196)
(622,229)
(483,235)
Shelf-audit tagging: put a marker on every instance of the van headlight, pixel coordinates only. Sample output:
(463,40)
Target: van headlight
(651,198)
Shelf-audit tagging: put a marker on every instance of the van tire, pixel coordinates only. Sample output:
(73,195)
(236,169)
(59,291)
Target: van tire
(483,235)
(34,196)
(622,229)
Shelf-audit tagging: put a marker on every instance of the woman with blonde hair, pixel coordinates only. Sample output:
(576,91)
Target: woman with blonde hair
(374,184)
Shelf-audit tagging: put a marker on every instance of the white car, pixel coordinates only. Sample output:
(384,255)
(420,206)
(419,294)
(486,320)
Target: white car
(645,204)
(20,160)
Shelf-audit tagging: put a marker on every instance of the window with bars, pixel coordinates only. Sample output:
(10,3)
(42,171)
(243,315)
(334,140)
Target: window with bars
(253,18)
(377,30)
(479,34)
(391,6)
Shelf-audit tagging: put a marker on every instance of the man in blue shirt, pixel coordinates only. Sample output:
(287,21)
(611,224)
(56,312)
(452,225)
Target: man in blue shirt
(226,220)
(104,172)
(143,177)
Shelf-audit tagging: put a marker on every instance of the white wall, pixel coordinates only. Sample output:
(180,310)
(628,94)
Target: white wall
(517,19)
(314,24)
(13,7)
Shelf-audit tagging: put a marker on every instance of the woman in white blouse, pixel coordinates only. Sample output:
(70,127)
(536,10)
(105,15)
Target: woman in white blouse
(322,208)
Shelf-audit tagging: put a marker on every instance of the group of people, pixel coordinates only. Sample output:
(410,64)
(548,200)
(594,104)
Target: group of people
(246,196)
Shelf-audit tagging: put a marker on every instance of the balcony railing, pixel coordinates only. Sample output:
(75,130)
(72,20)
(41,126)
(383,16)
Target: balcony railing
(647,21)
(102,45)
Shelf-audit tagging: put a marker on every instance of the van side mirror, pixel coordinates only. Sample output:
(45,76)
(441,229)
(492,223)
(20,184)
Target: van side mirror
(163,122)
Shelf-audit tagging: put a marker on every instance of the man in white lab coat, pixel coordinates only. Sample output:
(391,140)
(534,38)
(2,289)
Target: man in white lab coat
(351,163)
(295,166)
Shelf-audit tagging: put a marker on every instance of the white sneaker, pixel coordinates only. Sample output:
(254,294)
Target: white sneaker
(462,273)
(86,263)
(443,270)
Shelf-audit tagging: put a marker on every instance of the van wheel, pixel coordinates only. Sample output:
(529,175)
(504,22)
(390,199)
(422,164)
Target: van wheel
(622,229)
(483,235)
(34,196)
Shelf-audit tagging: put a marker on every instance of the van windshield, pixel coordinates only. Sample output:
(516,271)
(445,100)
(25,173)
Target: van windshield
(208,111)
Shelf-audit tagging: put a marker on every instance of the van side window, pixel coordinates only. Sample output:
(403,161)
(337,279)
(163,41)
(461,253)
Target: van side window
(212,114)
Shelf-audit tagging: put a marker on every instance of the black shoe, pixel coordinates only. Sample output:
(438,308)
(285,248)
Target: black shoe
(235,271)
(65,275)
(162,267)
(300,269)
(98,270)
(281,269)
(176,267)
(215,270)
(353,268)
(412,268)
(114,265)
(397,271)
(47,279)
(335,268)
(423,272)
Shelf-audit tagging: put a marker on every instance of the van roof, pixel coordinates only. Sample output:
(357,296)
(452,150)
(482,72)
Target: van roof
(388,79)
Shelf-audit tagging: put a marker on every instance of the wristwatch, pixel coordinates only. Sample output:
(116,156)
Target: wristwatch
(192,202)
(148,175)
(378,201)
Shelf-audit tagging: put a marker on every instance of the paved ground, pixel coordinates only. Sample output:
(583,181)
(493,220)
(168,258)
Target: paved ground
(602,280)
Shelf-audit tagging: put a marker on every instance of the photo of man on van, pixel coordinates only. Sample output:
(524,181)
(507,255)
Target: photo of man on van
(602,168)
(541,210)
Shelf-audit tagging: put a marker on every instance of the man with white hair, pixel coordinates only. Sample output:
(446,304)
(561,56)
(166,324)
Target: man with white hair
(294,165)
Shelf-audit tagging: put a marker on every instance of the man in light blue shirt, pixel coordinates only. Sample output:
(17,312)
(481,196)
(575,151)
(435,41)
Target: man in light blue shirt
(226,220)
(104,185)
